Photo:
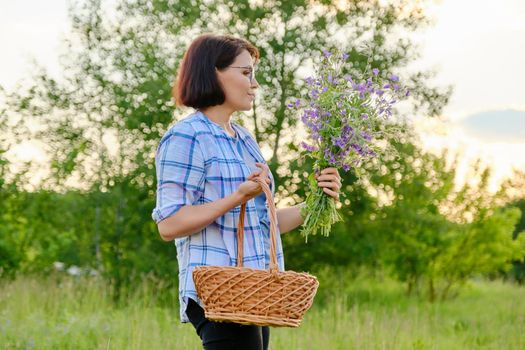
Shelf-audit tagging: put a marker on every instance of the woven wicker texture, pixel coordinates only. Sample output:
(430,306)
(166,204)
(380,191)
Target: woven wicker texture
(253,296)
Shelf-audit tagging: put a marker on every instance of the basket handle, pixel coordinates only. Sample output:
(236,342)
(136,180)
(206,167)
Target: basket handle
(273,227)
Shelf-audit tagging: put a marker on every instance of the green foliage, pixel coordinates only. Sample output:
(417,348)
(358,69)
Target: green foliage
(117,86)
(409,220)
(518,267)
(436,237)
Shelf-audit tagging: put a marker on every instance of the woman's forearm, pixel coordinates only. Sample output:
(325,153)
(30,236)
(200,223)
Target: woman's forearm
(193,218)
(289,218)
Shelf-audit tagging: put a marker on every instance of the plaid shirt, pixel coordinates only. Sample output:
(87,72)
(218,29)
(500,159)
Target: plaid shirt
(197,162)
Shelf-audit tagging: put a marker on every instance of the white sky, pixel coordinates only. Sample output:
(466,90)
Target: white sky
(30,28)
(477,45)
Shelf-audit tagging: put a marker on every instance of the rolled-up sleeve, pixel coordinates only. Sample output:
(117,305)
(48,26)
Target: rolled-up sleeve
(180,171)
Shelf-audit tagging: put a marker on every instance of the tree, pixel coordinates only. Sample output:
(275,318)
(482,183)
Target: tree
(438,237)
(512,194)
(118,71)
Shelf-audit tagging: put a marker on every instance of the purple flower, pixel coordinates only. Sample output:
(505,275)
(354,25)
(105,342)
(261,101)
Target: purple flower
(325,89)
(366,136)
(298,103)
(328,154)
(394,77)
(347,133)
(309,80)
(304,119)
(338,141)
(347,128)
(396,87)
(357,148)
(364,116)
(345,56)
(331,79)
(346,167)
(308,147)
(387,86)
(349,79)
(327,53)
(408,93)
(375,71)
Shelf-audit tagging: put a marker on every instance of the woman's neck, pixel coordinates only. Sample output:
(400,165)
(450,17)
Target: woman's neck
(220,115)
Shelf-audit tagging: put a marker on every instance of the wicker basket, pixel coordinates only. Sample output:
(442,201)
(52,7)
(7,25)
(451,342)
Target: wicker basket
(253,296)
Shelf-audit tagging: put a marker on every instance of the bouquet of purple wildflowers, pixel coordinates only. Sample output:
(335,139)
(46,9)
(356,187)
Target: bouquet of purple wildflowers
(349,121)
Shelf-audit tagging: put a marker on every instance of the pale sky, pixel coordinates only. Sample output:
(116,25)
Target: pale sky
(477,45)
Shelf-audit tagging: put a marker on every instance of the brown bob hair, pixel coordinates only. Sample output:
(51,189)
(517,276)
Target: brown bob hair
(197,84)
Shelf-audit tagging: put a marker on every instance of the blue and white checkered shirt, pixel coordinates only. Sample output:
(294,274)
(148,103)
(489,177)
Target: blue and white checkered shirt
(197,162)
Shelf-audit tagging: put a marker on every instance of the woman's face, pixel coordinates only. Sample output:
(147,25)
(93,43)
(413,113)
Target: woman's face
(238,89)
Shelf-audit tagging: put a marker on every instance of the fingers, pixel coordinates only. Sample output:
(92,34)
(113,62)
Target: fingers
(268,181)
(263,173)
(332,171)
(333,185)
(254,174)
(264,169)
(327,177)
(263,166)
(331,193)
(329,180)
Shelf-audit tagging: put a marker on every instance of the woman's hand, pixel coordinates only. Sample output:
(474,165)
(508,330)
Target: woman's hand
(250,188)
(330,181)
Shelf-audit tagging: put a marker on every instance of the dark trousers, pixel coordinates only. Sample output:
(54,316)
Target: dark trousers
(226,335)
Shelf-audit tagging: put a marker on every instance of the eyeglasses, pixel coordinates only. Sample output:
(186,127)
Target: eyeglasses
(252,71)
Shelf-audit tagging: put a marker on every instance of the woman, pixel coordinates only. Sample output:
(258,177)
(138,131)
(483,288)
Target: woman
(205,167)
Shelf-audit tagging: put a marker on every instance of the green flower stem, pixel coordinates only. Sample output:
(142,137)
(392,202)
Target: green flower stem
(319,211)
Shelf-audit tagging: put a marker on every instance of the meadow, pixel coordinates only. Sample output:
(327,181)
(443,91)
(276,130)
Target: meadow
(66,312)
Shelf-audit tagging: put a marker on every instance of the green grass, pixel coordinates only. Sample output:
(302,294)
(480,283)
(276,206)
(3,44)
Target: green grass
(46,313)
